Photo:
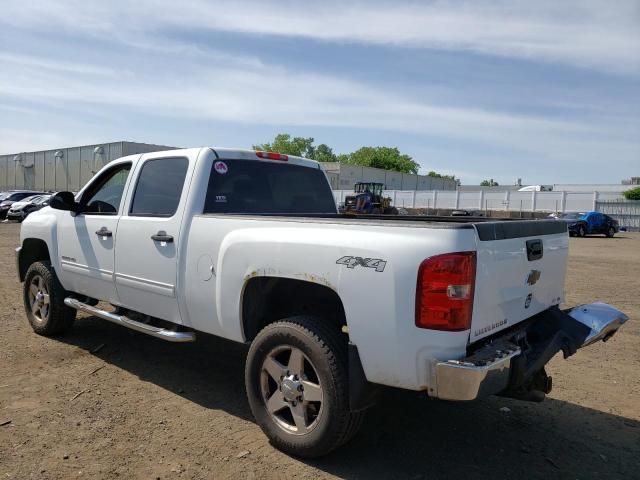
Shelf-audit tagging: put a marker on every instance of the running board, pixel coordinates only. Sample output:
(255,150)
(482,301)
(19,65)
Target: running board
(163,333)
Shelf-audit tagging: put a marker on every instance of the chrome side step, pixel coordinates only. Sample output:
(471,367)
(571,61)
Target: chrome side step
(163,333)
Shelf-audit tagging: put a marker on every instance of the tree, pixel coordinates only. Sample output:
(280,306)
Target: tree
(439,175)
(387,158)
(633,194)
(298,146)
(323,153)
(283,143)
(488,183)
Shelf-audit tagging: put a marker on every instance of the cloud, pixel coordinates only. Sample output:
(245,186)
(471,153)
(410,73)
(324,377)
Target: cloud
(14,140)
(246,92)
(89,68)
(593,34)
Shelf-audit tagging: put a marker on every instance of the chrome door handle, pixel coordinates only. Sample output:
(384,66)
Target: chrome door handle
(162,236)
(104,232)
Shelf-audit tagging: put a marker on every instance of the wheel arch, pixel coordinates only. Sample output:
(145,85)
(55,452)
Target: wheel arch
(266,299)
(32,250)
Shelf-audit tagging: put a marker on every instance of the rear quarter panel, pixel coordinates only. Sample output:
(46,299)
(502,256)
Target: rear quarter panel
(379,305)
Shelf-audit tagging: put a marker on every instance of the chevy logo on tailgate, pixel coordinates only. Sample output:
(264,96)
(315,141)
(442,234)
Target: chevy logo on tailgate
(534,276)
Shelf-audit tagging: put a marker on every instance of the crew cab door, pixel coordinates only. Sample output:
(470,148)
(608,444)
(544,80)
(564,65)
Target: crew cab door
(86,239)
(148,237)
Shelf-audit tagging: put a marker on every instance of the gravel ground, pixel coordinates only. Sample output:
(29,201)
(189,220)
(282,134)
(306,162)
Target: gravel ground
(105,402)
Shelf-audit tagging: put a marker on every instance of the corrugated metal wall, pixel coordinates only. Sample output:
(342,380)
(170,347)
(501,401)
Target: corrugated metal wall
(72,167)
(350,174)
(483,200)
(64,168)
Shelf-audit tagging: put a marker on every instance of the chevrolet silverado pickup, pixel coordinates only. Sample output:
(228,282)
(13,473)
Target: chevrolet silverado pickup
(249,246)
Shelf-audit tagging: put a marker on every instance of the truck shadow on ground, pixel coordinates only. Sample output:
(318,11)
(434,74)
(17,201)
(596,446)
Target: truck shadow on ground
(407,435)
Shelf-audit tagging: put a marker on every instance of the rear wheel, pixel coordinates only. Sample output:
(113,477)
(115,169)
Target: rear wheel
(44,301)
(611,232)
(296,380)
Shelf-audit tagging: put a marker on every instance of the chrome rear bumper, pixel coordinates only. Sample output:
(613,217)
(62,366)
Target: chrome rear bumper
(477,375)
(490,369)
(602,319)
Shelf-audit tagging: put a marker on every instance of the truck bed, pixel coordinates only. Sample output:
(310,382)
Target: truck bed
(487,228)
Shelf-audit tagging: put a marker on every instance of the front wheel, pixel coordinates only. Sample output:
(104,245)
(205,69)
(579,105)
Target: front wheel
(44,301)
(611,232)
(296,380)
(582,232)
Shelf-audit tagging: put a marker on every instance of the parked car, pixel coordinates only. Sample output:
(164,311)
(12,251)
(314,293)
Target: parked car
(249,246)
(20,210)
(466,213)
(13,196)
(536,188)
(581,224)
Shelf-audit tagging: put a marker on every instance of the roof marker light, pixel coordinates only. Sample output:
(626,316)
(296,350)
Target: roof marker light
(272,156)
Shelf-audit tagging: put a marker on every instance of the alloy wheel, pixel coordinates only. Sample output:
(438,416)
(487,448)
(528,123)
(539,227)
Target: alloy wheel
(39,300)
(291,390)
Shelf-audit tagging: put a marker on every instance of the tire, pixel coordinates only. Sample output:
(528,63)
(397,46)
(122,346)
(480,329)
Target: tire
(44,301)
(321,351)
(611,232)
(582,232)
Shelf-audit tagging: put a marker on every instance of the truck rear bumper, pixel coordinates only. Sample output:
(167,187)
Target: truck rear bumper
(511,364)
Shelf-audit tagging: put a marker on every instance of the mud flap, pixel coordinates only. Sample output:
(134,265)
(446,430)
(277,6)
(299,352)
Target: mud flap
(362,393)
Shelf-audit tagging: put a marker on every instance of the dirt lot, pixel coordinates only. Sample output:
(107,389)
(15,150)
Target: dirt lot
(105,402)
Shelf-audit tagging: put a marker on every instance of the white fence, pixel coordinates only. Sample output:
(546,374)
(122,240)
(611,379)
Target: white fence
(483,200)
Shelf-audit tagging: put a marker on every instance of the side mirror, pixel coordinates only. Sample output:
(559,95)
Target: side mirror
(64,201)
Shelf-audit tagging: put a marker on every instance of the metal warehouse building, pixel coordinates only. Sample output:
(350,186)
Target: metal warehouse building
(70,168)
(343,176)
(63,168)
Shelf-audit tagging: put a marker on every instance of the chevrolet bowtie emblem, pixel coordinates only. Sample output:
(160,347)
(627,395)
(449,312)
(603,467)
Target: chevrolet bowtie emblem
(534,276)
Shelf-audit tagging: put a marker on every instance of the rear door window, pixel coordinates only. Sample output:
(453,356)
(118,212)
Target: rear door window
(257,187)
(159,187)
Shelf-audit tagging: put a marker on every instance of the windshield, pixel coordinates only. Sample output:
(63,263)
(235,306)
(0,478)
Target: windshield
(257,187)
(32,198)
(41,199)
(572,216)
(17,196)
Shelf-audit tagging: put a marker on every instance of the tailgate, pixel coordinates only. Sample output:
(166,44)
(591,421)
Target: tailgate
(521,269)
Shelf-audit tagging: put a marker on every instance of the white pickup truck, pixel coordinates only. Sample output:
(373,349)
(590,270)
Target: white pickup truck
(249,246)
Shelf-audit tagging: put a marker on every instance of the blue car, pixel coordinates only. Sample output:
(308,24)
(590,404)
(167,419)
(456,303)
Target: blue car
(581,224)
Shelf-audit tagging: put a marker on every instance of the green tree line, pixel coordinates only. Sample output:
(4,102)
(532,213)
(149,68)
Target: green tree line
(387,158)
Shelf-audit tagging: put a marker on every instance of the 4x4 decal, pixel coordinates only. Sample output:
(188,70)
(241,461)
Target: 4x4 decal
(352,262)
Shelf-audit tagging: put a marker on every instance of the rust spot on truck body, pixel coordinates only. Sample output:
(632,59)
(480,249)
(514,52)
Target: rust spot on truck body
(307,277)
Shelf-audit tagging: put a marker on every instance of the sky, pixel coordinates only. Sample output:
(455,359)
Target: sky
(545,91)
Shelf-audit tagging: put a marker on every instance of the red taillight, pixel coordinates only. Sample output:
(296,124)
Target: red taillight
(272,156)
(444,295)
